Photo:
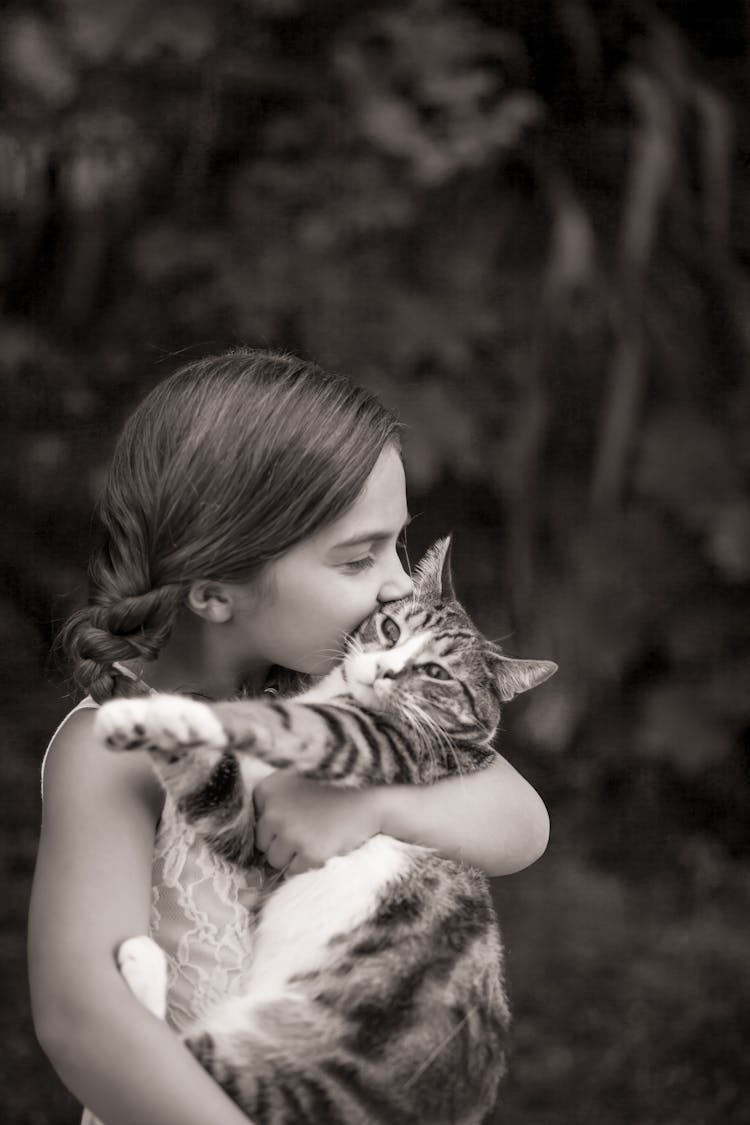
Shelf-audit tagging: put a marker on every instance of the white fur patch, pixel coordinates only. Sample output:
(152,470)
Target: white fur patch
(144,968)
(300,919)
(365,667)
(305,913)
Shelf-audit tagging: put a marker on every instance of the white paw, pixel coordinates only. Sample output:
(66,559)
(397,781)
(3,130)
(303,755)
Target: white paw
(144,968)
(163,722)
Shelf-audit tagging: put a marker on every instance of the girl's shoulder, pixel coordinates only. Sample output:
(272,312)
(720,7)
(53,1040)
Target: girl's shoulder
(75,757)
(71,726)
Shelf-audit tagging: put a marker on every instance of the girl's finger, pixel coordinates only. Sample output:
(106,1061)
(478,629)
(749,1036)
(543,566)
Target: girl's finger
(297,866)
(264,836)
(259,798)
(278,854)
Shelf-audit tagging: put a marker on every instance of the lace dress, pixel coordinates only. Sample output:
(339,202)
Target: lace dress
(199,917)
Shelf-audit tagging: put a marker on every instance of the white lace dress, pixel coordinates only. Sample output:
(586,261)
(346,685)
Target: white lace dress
(199,917)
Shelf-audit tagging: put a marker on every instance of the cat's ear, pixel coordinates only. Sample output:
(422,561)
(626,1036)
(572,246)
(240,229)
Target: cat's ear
(515,676)
(432,579)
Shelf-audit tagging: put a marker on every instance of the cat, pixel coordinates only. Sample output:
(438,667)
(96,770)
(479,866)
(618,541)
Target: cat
(377,989)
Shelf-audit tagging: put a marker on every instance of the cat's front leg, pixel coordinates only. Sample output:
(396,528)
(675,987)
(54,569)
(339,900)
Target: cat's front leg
(188,746)
(320,741)
(185,740)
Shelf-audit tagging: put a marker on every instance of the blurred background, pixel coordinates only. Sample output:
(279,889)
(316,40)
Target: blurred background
(526,225)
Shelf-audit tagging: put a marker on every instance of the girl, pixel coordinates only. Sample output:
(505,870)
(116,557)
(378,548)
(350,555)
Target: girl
(251,518)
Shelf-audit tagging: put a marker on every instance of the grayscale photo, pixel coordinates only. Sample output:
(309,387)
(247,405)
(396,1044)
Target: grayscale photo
(375,408)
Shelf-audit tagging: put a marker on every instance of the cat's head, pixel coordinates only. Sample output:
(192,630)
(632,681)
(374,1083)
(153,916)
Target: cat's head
(423,658)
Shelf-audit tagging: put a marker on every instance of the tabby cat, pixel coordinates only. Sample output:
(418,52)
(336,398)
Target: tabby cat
(376,992)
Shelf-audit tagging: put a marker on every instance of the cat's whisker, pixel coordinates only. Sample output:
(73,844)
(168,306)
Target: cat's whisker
(355,645)
(440,1047)
(338,650)
(457,762)
(337,654)
(428,733)
(414,716)
(430,724)
(439,736)
(426,726)
(416,725)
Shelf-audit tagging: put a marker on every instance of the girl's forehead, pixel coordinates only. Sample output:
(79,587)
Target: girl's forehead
(379,511)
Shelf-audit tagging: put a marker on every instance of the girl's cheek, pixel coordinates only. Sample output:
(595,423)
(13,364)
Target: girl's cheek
(350,607)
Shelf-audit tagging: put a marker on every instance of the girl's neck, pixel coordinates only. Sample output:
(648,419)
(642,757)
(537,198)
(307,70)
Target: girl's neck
(199,659)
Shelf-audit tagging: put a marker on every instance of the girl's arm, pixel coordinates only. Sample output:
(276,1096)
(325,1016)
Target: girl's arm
(92,890)
(492,819)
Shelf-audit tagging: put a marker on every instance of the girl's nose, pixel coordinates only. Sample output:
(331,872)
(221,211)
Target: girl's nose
(397,585)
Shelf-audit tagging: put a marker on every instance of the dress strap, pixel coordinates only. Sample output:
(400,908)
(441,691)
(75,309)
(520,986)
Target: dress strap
(86,704)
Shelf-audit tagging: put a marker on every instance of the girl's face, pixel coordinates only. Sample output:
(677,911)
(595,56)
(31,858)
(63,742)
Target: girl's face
(328,584)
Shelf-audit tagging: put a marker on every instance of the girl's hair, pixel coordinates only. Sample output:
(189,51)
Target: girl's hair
(223,467)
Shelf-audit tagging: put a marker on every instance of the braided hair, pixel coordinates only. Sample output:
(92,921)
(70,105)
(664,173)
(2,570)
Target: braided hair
(223,467)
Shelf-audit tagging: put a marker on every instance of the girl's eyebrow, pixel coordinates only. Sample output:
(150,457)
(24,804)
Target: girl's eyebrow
(370,536)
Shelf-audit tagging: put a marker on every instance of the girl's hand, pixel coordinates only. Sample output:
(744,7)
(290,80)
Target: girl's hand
(303,823)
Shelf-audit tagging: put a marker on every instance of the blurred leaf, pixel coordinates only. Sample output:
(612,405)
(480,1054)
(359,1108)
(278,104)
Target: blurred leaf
(166,254)
(105,157)
(703,627)
(97,31)
(444,436)
(551,717)
(32,370)
(185,30)
(684,463)
(428,86)
(627,573)
(674,726)
(24,168)
(729,540)
(35,59)
(21,644)
(725,691)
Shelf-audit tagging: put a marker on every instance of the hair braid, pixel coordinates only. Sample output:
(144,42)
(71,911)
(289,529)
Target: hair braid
(133,626)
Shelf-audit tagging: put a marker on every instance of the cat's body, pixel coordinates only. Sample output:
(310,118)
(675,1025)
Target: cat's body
(376,991)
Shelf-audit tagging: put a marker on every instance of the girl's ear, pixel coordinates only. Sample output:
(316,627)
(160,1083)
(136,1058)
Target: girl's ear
(515,676)
(212,601)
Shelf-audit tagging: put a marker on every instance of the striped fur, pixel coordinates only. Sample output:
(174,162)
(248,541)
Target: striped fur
(376,992)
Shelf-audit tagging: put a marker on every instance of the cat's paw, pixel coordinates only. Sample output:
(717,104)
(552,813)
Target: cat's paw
(143,966)
(170,723)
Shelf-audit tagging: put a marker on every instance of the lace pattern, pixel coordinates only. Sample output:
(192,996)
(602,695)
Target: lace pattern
(200,918)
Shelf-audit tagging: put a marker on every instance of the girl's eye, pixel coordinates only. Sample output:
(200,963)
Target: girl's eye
(360,564)
(435,672)
(389,630)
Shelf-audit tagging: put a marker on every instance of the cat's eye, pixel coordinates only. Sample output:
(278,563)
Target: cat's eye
(435,672)
(389,630)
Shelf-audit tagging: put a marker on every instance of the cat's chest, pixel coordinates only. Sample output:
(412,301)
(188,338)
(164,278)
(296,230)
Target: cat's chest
(302,917)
